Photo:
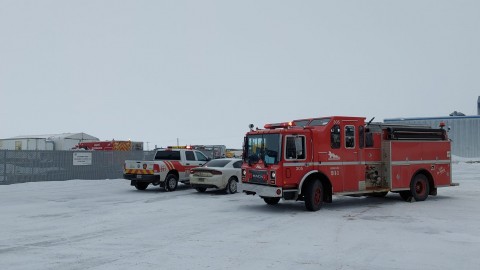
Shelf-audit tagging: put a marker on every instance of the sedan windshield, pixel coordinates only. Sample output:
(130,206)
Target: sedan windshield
(264,147)
(216,163)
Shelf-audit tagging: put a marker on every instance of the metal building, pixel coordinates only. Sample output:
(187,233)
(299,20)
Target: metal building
(464,131)
(64,141)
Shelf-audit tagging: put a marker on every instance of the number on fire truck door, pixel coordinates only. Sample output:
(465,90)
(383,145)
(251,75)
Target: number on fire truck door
(335,175)
(335,171)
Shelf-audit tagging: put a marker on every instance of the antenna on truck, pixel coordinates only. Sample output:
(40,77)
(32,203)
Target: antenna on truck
(369,122)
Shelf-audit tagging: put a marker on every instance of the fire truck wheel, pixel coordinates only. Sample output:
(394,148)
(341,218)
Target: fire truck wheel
(201,189)
(141,185)
(231,186)
(419,187)
(171,182)
(271,200)
(313,195)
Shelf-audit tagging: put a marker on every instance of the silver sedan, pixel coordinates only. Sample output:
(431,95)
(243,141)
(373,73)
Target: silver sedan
(223,173)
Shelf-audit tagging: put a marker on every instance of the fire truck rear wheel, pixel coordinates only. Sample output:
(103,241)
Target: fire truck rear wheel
(313,195)
(171,182)
(141,185)
(419,187)
(271,200)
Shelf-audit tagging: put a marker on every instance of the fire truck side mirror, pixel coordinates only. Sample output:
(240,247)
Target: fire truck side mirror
(244,148)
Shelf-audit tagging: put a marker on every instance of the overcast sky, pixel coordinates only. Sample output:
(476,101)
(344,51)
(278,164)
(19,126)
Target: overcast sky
(201,71)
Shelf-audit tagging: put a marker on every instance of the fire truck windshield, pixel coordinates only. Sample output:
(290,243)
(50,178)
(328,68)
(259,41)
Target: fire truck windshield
(265,147)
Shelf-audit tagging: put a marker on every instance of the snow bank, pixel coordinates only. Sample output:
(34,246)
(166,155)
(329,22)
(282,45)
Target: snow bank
(457,159)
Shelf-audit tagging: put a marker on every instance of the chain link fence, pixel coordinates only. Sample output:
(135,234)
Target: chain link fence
(35,166)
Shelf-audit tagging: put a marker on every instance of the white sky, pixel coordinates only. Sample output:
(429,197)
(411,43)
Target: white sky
(201,71)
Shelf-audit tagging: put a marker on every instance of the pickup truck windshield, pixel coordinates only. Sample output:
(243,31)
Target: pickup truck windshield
(264,147)
(167,155)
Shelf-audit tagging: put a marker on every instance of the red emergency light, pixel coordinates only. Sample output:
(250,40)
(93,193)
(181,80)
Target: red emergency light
(178,147)
(279,125)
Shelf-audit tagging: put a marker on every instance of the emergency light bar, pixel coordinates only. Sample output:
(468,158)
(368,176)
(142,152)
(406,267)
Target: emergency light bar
(279,125)
(179,147)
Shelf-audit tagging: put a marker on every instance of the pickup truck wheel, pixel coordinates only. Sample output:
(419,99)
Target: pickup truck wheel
(141,185)
(171,182)
(271,200)
(314,195)
(201,189)
(231,186)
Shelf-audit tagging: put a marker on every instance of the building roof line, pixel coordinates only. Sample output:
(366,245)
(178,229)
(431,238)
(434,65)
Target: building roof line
(432,118)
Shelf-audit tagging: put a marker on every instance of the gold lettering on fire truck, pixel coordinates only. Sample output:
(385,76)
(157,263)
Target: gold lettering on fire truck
(441,170)
(334,171)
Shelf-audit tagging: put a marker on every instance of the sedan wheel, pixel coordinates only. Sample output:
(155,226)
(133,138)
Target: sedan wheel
(231,185)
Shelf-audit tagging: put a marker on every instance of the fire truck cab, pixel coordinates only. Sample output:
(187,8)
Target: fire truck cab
(314,159)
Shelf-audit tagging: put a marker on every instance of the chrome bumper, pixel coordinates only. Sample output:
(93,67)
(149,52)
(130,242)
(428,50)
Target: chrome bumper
(261,190)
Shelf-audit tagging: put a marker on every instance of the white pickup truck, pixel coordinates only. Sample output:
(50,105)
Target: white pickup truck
(168,168)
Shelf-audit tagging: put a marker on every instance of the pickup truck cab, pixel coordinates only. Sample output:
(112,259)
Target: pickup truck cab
(168,168)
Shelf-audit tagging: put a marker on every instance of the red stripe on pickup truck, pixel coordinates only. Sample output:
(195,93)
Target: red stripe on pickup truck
(178,166)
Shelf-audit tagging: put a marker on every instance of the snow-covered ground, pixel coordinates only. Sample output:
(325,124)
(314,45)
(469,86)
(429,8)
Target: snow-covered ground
(107,224)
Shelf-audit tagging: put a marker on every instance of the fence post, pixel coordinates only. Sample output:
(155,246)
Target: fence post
(5,166)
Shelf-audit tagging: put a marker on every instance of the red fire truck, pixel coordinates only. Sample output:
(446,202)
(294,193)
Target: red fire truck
(110,145)
(314,159)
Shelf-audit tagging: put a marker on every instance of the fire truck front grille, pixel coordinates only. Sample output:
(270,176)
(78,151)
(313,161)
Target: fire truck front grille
(258,177)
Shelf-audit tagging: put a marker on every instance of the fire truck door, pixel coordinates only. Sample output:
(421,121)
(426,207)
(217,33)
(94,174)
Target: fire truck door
(352,160)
